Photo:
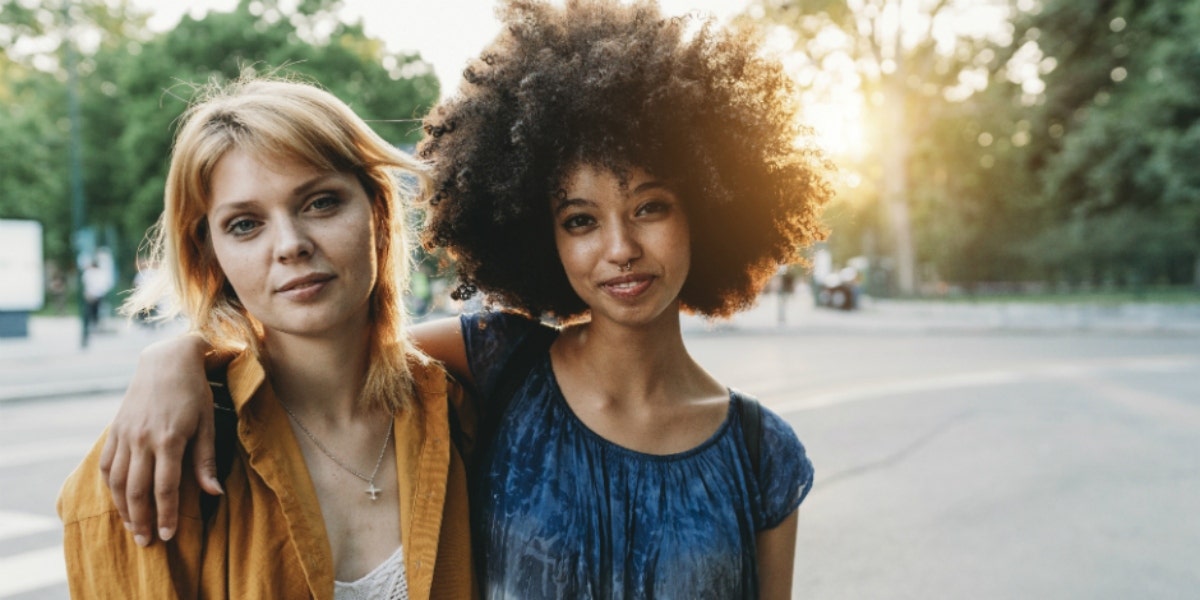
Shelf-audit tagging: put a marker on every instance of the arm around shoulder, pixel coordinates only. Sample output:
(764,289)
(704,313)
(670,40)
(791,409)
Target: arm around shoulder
(167,405)
(442,340)
(102,559)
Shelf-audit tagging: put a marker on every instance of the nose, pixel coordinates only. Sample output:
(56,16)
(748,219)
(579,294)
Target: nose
(622,245)
(292,241)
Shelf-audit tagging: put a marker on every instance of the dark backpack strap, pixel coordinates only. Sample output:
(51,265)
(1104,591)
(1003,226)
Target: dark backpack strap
(514,372)
(225,438)
(751,414)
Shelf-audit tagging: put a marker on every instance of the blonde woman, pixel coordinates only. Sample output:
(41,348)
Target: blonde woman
(282,242)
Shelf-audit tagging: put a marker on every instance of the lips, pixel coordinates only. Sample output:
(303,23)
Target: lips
(627,287)
(302,288)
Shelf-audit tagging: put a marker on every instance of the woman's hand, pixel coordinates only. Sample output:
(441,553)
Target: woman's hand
(168,402)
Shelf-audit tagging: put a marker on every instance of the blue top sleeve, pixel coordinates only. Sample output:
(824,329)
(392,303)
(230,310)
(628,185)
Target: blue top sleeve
(490,338)
(785,474)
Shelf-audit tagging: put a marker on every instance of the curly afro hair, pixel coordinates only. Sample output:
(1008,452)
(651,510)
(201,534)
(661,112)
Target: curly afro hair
(620,86)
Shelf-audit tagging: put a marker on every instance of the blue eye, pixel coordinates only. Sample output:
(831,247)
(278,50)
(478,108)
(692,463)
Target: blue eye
(241,226)
(325,203)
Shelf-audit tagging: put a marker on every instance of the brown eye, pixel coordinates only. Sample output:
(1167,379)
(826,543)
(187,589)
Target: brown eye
(653,207)
(578,221)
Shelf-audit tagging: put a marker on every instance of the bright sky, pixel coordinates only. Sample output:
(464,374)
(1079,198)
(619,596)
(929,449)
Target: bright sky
(446,32)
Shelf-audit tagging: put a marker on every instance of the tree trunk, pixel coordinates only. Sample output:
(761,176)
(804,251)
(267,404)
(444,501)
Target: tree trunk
(895,184)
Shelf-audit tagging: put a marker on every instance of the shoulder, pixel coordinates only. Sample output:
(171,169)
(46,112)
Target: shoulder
(778,436)
(490,339)
(497,325)
(432,383)
(84,494)
(785,474)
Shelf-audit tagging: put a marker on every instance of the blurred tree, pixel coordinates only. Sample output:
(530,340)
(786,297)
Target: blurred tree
(33,145)
(136,83)
(34,170)
(1121,133)
(905,56)
(157,80)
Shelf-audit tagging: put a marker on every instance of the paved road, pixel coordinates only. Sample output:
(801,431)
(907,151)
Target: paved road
(987,466)
(967,463)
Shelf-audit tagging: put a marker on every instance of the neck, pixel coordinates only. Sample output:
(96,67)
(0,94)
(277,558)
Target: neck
(320,376)
(647,363)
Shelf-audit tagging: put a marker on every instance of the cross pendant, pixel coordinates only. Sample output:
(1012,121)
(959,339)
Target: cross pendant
(373,491)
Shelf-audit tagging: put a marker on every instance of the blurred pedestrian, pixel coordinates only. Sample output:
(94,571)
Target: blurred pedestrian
(785,286)
(97,283)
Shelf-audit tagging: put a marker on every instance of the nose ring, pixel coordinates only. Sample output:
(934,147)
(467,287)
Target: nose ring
(626,267)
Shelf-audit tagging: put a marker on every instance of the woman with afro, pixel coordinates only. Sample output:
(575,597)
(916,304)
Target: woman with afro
(601,169)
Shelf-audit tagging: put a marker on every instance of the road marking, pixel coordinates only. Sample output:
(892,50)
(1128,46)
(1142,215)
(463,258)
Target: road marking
(894,388)
(53,389)
(16,524)
(21,573)
(44,451)
(1063,370)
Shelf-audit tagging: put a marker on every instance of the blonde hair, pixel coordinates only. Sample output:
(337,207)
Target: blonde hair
(282,120)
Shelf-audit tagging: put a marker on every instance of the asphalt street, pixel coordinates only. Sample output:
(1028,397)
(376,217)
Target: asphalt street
(965,461)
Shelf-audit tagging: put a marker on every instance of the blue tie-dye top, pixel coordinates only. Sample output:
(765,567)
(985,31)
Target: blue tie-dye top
(560,512)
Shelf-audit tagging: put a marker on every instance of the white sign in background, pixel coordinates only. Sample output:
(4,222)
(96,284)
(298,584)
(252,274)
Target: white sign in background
(22,279)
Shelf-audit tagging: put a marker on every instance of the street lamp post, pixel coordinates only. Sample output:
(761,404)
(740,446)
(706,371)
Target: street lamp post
(76,169)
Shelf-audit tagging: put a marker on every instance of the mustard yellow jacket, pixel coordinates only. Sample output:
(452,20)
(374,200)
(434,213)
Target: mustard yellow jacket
(267,538)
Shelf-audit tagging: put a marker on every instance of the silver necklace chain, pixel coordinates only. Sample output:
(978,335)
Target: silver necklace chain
(372,491)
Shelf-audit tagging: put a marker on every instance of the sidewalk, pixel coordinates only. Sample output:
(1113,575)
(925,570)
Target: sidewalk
(933,317)
(50,363)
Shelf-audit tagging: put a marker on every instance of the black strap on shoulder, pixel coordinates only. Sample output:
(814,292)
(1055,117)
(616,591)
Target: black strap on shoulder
(514,372)
(751,416)
(225,438)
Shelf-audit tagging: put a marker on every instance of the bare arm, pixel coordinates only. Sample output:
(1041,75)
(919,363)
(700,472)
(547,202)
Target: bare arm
(776,559)
(168,403)
(442,339)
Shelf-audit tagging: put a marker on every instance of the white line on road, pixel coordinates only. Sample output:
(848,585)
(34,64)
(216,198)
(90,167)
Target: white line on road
(1063,370)
(32,570)
(75,387)
(44,451)
(16,524)
(895,388)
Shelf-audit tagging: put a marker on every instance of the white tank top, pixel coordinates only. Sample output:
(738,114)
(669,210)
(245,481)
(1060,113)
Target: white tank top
(385,582)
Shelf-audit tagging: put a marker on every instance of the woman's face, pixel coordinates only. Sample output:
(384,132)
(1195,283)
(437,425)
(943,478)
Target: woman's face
(297,245)
(626,250)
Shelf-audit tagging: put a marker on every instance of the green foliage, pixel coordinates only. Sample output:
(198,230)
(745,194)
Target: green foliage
(33,143)
(1090,182)
(1121,183)
(134,84)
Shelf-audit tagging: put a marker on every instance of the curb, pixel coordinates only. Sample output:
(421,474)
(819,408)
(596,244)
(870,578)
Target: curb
(60,389)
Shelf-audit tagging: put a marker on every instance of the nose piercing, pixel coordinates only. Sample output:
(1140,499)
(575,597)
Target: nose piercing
(626,267)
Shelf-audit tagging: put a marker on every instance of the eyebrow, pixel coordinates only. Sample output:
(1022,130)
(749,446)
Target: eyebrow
(653,184)
(645,187)
(572,202)
(300,190)
(317,181)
